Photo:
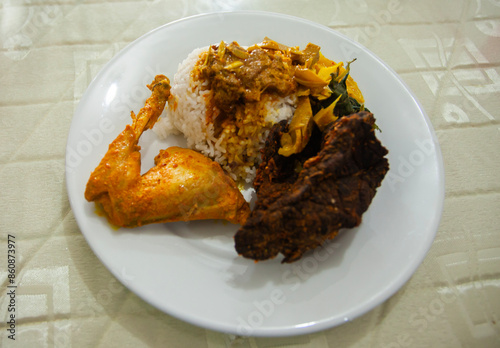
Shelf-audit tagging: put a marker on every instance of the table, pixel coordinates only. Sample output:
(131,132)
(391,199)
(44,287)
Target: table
(448,52)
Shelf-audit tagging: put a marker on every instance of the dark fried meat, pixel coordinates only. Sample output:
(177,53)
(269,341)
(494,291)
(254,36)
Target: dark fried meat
(305,199)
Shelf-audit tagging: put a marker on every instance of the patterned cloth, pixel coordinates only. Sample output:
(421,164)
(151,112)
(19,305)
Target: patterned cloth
(448,52)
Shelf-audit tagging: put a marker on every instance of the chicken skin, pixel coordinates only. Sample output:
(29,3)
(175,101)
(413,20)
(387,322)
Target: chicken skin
(183,185)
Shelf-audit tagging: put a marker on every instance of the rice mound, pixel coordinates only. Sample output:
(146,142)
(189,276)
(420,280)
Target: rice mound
(186,115)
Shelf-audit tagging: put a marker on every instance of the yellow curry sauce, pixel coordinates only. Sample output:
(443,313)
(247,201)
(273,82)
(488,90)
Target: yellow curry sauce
(244,83)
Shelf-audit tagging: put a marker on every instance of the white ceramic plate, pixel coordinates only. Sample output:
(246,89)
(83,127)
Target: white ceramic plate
(191,270)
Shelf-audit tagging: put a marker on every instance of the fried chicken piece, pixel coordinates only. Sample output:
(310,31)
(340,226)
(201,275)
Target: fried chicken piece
(183,185)
(305,199)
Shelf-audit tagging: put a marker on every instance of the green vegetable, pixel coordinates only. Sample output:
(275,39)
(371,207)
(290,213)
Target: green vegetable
(346,105)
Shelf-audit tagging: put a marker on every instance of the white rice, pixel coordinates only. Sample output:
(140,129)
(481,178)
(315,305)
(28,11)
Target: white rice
(187,115)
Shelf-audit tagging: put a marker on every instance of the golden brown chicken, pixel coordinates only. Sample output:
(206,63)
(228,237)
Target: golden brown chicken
(184,185)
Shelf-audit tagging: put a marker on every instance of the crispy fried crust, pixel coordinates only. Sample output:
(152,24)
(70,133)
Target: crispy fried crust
(305,199)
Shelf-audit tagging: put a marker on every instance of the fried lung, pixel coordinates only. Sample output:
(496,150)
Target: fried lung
(305,199)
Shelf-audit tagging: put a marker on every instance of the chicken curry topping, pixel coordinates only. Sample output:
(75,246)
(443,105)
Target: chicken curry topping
(244,80)
(241,78)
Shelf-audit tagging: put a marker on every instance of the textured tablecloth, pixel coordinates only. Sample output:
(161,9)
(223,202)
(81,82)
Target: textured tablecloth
(447,51)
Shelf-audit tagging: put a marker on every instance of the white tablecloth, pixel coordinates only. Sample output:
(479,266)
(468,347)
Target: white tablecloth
(447,51)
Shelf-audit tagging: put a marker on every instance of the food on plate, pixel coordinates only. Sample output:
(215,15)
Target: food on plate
(183,185)
(227,97)
(289,121)
(306,198)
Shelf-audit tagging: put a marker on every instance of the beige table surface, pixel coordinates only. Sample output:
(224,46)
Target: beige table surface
(447,51)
